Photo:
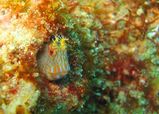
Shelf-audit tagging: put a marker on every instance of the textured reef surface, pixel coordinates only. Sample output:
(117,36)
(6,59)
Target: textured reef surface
(79,56)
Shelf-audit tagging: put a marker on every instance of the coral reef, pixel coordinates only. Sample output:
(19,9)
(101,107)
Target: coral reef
(110,56)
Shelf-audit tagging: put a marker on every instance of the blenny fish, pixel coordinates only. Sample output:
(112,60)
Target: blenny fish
(53,59)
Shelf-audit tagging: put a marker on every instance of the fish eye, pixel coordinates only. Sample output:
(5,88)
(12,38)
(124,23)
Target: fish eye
(52,37)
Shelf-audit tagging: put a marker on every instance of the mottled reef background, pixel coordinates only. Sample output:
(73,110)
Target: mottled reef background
(113,55)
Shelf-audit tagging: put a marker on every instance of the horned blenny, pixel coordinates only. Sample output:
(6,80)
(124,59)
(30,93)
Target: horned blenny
(53,59)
